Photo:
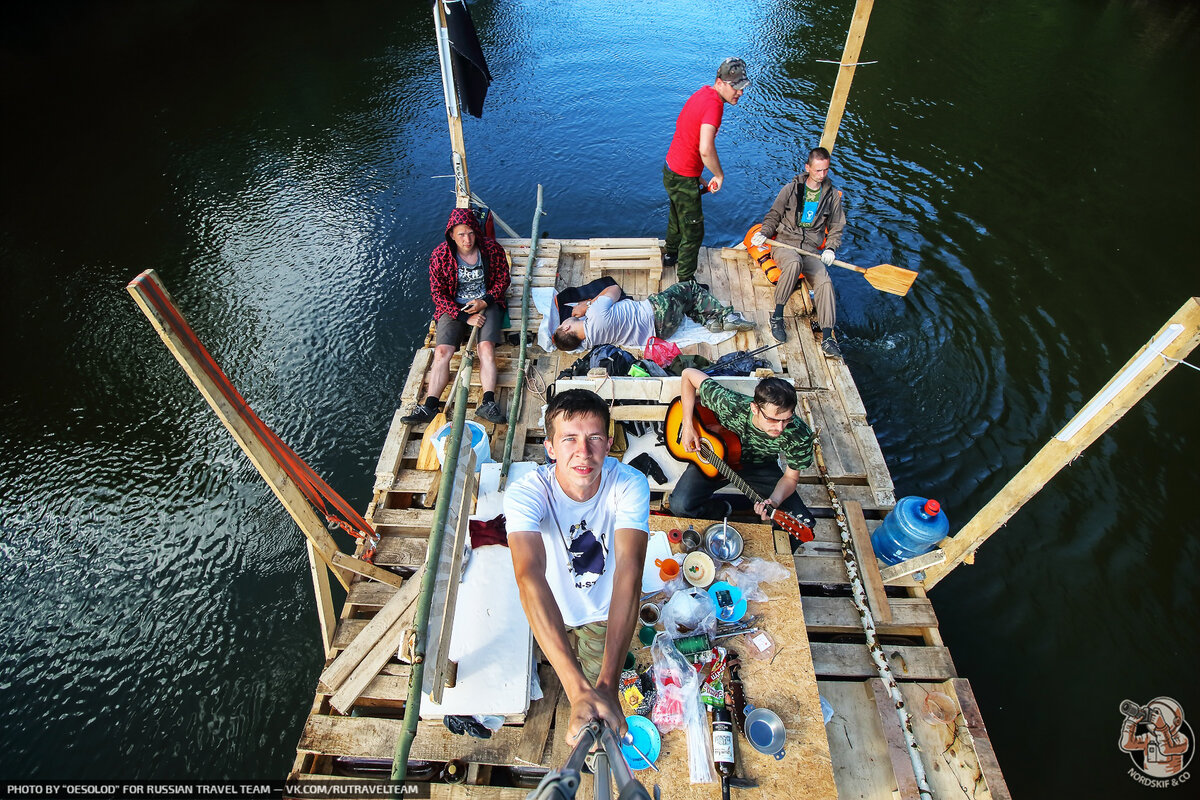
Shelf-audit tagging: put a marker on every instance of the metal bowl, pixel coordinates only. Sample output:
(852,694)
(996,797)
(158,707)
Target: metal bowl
(765,731)
(723,542)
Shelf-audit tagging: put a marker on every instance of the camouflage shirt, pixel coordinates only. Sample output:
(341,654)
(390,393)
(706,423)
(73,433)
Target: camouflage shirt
(734,412)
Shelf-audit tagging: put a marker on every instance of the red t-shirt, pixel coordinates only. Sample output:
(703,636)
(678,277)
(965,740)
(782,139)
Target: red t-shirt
(705,107)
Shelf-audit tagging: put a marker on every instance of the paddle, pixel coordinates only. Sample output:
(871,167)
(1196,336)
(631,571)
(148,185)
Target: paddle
(884,277)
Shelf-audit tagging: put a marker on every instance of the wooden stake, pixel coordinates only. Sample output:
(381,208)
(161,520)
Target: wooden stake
(1175,340)
(841,89)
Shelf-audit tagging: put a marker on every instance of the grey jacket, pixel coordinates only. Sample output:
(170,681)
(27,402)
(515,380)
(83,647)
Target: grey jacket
(826,230)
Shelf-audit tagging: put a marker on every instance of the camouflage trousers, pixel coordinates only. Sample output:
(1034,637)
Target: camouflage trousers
(689,300)
(589,648)
(685,221)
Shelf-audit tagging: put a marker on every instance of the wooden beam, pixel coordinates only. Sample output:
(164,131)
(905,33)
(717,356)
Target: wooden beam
(268,466)
(868,565)
(336,673)
(1174,341)
(897,748)
(379,655)
(841,88)
(360,567)
(924,561)
(441,670)
(445,587)
(908,662)
(325,613)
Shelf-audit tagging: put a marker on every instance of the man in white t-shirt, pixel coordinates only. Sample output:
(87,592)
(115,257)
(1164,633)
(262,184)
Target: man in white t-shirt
(577,529)
(608,319)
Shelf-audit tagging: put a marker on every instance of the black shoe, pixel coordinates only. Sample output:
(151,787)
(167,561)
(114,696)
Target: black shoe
(830,348)
(669,259)
(420,413)
(718,509)
(777,329)
(491,412)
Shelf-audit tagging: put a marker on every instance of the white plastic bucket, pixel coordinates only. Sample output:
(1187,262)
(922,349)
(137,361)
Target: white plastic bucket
(479,442)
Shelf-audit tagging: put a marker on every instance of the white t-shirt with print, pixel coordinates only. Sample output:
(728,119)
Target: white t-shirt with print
(580,577)
(626,322)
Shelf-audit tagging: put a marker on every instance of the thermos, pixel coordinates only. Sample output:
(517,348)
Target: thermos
(913,527)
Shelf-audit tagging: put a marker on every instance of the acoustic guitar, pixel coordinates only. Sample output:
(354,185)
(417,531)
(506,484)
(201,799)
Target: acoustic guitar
(720,455)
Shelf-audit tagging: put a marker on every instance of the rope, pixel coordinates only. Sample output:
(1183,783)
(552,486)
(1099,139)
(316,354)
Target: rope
(827,61)
(859,597)
(311,485)
(1180,361)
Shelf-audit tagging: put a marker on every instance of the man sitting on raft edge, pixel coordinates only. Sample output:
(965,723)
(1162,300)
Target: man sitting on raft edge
(577,530)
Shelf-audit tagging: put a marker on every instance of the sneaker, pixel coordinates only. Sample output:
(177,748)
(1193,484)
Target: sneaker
(490,412)
(669,259)
(420,413)
(715,325)
(830,348)
(777,329)
(734,321)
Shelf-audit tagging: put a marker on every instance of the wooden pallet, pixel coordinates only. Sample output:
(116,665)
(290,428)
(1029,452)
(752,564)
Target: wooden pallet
(862,740)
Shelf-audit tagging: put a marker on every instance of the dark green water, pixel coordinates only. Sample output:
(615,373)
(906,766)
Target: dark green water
(276,164)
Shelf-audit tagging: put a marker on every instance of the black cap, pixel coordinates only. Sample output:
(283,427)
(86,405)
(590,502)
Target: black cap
(733,72)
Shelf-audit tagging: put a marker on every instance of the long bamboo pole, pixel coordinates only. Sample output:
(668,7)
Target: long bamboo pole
(859,597)
(1173,342)
(514,406)
(412,706)
(841,88)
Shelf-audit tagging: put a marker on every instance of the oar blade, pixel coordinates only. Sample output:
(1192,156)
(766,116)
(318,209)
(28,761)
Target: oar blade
(890,278)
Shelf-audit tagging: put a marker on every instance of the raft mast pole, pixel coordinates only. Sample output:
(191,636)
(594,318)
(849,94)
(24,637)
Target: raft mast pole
(514,406)
(458,145)
(1173,342)
(859,596)
(841,88)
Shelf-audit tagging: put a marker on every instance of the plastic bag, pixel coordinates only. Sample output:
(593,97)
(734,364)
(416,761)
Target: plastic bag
(750,573)
(660,351)
(689,612)
(673,677)
(678,706)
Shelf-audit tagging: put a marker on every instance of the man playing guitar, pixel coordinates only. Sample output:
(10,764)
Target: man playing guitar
(767,426)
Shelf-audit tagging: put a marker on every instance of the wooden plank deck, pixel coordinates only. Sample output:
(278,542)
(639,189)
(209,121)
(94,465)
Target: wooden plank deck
(856,754)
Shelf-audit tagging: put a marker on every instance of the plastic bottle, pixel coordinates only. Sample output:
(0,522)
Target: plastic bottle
(913,527)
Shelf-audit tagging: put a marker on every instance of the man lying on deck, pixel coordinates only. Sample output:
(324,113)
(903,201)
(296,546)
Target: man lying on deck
(767,426)
(610,319)
(577,529)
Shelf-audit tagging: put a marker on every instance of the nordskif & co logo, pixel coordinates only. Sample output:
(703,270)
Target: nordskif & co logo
(1159,742)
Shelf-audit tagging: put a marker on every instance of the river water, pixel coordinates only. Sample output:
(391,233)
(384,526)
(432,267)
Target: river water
(279,166)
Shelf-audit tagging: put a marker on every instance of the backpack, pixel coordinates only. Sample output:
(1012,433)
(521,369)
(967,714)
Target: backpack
(612,358)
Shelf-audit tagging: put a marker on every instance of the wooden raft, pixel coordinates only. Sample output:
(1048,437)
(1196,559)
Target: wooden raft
(862,749)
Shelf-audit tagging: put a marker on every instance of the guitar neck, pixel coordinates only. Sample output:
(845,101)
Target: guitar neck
(729,474)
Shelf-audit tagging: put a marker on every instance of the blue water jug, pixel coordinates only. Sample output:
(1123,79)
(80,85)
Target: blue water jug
(913,527)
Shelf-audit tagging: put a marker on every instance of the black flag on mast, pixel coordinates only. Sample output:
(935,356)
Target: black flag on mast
(470,68)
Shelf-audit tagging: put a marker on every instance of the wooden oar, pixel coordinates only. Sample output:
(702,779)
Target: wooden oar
(884,277)
(427,456)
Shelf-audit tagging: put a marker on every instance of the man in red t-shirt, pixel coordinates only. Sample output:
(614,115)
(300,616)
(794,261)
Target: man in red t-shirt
(693,148)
